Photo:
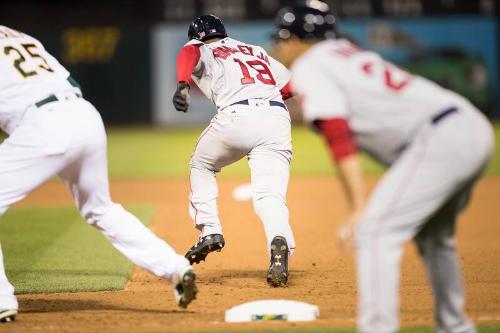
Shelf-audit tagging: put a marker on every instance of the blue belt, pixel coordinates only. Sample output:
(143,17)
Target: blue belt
(443,114)
(272,103)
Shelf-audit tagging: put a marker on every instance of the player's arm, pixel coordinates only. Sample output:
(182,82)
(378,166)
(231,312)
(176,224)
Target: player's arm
(286,91)
(342,145)
(187,60)
(324,104)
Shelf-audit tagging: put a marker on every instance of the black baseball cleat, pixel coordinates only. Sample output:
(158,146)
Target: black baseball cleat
(278,271)
(204,246)
(7,316)
(185,289)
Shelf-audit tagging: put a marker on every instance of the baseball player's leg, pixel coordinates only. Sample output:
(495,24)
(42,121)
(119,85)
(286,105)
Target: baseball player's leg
(24,165)
(203,199)
(7,299)
(436,245)
(270,171)
(215,149)
(87,178)
(270,167)
(211,154)
(414,189)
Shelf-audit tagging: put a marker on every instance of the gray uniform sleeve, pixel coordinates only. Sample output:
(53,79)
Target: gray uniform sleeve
(320,95)
(280,72)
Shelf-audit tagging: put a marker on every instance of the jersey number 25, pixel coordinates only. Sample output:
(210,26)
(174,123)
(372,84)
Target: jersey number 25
(264,74)
(19,61)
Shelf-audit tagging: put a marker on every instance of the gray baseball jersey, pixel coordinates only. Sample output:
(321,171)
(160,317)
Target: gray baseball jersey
(229,71)
(384,104)
(436,144)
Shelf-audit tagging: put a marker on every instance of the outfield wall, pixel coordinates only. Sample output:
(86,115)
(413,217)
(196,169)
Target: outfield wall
(128,72)
(460,53)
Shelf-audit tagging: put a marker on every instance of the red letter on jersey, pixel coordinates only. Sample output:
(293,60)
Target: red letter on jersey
(263,57)
(245,49)
(223,52)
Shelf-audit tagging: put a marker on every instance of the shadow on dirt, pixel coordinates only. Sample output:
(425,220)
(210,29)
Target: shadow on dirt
(71,305)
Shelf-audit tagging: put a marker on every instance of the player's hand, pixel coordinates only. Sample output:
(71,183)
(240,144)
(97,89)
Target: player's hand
(346,233)
(181,97)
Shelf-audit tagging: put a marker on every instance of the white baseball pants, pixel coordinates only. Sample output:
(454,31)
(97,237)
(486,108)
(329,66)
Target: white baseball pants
(263,134)
(67,138)
(419,198)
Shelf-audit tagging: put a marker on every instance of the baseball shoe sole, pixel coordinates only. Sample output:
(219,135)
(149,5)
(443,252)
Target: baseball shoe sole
(185,289)
(204,246)
(278,270)
(8,316)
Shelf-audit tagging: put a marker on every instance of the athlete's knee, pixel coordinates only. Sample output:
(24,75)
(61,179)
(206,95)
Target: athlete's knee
(195,161)
(115,223)
(429,243)
(201,164)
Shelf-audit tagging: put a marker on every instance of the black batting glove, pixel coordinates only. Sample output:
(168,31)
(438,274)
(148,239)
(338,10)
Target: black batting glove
(181,97)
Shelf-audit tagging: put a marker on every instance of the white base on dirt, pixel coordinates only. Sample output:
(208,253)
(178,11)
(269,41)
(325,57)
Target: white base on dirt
(272,310)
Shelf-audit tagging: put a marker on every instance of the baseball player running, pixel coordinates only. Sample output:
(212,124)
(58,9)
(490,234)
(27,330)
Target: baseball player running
(248,87)
(52,131)
(434,142)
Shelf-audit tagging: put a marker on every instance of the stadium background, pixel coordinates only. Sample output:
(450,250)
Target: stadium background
(123,54)
(128,48)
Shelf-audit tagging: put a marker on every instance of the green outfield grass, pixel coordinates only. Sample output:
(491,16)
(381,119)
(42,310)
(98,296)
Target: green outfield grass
(52,249)
(150,153)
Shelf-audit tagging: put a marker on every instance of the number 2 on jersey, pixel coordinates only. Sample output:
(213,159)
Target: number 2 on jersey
(21,59)
(393,77)
(264,74)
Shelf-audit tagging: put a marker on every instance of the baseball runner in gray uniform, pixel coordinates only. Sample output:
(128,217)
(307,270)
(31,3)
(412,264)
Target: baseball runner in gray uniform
(434,142)
(248,87)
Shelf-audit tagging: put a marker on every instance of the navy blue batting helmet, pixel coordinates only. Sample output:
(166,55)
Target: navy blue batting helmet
(305,22)
(206,27)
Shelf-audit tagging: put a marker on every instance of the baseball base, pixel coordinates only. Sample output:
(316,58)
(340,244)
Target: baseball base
(265,310)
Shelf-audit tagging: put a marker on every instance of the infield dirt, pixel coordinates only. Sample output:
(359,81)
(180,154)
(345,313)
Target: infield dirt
(319,274)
